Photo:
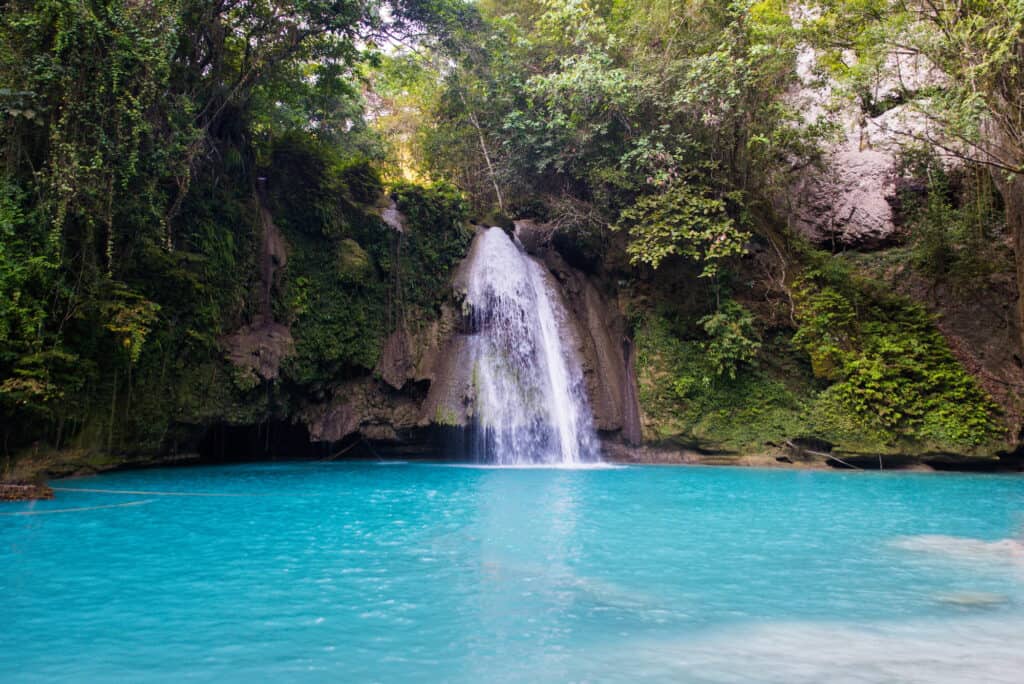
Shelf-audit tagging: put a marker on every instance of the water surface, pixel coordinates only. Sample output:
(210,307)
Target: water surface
(400,572)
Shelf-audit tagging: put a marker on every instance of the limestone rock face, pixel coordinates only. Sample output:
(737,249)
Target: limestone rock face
(600,332)
(414,352)
(846,199)
(365,407)
(846,203)
(260,348)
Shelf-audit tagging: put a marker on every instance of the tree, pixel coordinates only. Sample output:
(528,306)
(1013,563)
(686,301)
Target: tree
(662,118)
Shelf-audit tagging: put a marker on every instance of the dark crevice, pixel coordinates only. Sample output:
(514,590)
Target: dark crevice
(269,441)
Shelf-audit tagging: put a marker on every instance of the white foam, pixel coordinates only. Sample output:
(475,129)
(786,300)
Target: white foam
(533,466)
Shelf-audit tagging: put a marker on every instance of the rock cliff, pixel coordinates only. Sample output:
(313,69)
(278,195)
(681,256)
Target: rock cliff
(424,380)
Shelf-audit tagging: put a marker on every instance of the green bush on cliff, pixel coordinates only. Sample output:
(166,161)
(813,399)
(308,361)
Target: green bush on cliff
(864,369)
(315,188)
(336,298)
(892,372)
(732,339)
(952,217)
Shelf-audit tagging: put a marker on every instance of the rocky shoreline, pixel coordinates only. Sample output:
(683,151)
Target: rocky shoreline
(799,456)
(27,480)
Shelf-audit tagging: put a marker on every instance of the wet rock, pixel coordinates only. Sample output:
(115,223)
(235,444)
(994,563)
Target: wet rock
(415,352)
(964,463)
(363,407)
(395,364)
(533,236)
(424,378)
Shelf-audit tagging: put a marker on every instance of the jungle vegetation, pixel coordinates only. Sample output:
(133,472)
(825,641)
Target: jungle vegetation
(139,142)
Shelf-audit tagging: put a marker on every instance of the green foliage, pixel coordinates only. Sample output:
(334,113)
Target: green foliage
(892,372)
(881,377)
(130,317)
(39,382)
(684,219)
(141,144)
(133,136)
(339,323)
(685,396)
(977,46)
(438,207)
(952,217)
(27,272)
(314,188)
(617,104)
(354,264)
(345,295)
(436,239)
(732,339)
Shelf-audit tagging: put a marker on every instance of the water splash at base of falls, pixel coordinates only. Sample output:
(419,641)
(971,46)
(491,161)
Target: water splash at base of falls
(530,404)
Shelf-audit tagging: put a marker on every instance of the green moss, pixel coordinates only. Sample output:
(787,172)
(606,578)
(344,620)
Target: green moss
(336,299)
(436,239)
(312,188)
(445,416)
(684,396)
(344,294)
(865,369)
(354,264)
(893,377)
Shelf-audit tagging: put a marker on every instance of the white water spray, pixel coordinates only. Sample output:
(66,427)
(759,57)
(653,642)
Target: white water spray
(530,404)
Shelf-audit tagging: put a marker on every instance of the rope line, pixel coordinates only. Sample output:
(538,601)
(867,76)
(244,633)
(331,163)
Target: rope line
(84,508)
(140,491)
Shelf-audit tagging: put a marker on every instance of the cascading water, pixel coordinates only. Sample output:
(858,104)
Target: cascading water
(530,402)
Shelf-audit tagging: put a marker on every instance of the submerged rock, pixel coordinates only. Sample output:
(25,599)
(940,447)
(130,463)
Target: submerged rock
(965,548)
(973,599)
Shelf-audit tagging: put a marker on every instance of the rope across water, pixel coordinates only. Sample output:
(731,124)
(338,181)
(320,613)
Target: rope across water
(83,508)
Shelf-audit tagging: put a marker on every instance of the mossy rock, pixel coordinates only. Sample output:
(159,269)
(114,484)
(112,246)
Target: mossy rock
(354,263)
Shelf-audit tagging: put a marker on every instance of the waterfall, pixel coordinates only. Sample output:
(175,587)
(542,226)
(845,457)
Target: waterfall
(530,403)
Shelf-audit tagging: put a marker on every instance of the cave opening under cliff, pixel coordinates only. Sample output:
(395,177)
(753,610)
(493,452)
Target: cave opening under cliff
(272,440)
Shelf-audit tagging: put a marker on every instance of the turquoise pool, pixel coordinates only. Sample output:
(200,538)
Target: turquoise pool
(312,572)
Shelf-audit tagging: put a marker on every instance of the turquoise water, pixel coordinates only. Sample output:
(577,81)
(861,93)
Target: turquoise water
(366,572)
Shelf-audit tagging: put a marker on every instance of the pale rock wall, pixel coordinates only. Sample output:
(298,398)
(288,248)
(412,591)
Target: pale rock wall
(845,200)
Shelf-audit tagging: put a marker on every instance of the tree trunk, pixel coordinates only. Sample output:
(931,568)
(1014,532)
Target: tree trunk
(483,148)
